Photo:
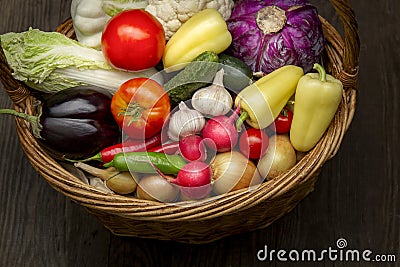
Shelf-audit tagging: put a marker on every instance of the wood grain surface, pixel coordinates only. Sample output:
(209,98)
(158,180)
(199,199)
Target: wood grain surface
(356,197)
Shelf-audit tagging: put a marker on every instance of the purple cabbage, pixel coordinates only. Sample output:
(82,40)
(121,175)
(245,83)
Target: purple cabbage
(299,42)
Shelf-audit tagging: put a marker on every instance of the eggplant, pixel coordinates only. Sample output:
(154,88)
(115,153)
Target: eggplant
(75,123)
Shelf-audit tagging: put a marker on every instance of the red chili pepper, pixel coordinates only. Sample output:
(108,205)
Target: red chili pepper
(107,154)
(169,148)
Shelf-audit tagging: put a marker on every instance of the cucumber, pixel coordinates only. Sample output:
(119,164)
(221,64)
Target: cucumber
(196,74)
(237,74)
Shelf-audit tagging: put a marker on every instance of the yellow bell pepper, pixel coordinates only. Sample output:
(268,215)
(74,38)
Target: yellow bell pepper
(262,101)
(204,31)
(317,99)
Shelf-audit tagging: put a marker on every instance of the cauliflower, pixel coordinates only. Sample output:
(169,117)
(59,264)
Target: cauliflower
(89,17)
(173,13)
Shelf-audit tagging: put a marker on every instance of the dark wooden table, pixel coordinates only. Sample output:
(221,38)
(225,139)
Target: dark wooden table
(356,197)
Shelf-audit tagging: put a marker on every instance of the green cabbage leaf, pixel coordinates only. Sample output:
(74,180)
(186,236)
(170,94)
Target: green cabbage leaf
(50,62)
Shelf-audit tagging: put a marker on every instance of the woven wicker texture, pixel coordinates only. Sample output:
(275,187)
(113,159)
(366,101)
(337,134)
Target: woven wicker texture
(220,216)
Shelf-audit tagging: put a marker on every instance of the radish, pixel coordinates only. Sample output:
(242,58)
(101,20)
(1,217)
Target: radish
(222,131)
(192,148)
(194,179)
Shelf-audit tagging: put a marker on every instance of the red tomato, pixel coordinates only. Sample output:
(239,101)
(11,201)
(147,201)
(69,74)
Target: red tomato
(253,143)
(140,107)
(283,121)
(133,40)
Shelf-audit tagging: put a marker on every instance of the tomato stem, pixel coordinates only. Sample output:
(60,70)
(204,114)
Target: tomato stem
(133,110)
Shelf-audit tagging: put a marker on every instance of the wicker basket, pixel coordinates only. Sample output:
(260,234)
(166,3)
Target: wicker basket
(230,214)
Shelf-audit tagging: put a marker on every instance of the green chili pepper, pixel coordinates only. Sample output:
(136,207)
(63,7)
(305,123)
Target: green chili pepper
(142,162)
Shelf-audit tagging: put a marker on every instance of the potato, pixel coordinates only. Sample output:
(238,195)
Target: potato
(279,157)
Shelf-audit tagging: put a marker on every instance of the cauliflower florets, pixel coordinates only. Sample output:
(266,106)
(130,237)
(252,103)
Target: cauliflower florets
(173,13)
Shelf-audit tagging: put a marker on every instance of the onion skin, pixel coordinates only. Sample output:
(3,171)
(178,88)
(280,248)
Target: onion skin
(233,171)
(123,183)
(300,42)
(157,188)
(275,162)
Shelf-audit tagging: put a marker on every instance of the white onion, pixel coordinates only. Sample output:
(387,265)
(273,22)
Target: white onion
(276,162)
(233,171)
(157,188)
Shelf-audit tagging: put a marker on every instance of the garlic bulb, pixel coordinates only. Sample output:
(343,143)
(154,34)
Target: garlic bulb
(213,100)
(185,122)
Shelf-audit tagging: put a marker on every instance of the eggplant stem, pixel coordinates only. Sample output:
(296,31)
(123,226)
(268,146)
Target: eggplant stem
(33,120)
